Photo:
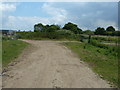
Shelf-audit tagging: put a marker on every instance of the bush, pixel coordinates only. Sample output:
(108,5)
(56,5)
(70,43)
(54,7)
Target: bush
(6,38)
(66,34)
(59,34)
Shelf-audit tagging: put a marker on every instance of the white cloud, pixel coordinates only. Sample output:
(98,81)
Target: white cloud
(27,23)
(85,15)
(58,16)
(23,23)
(5,7)
(53,11)
(5,11)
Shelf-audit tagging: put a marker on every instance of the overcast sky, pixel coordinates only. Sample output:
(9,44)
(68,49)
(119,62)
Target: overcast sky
(87,15)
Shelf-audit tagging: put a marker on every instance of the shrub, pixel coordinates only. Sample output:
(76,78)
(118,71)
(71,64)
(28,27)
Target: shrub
(58,34)
(66,34)
(6,38)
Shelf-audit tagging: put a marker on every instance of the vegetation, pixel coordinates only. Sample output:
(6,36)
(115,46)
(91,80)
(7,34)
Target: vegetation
(102,60)
(110,31)
(88,32)
(100,31)
(0,55)
(72,27)
(11,49)
(101,38)
(57,35)
(45,28)
(70,31)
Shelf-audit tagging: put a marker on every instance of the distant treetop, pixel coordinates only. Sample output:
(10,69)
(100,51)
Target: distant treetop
(110,28)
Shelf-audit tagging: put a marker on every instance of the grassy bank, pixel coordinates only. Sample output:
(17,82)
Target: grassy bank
(11,49)
(100,60)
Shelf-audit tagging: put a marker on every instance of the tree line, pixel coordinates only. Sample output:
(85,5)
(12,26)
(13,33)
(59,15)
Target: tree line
(52,28)
(75,29)
(110,31)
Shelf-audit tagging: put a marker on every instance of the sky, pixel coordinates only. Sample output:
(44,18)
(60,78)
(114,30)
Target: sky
(87,15)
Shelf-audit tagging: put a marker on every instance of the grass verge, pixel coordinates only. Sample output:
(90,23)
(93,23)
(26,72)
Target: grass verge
(100,60)
(11,49)
(62,39)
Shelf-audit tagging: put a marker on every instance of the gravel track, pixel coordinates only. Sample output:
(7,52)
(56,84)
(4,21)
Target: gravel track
(48,64)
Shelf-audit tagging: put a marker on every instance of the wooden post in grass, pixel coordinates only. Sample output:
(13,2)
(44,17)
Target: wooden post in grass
(89,39)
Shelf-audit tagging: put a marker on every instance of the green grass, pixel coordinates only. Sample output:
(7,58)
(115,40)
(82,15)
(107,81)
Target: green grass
(0,49)
(100,38)
(100,60)
(58,35)
(0,53)
(11,49)
(62,39)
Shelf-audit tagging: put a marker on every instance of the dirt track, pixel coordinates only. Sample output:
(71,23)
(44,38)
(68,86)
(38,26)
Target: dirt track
(48,64)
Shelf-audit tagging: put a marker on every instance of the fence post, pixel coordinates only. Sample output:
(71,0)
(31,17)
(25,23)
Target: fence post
(89,39)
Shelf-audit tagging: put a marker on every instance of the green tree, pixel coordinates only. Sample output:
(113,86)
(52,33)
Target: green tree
(51,28)
(100,31)
(47,28)
(72,27)
(110,29)
(38,27)
(56,27)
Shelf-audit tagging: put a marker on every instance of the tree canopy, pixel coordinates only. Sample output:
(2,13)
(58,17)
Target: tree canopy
(45,28)
(109,31)
(110,28)
(38,27)
(100,31)
(75,29)
(72,27)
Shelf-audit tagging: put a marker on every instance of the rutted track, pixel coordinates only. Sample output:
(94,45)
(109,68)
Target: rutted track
(48,64)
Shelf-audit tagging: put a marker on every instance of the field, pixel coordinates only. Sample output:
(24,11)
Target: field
(99,59)
(11,49)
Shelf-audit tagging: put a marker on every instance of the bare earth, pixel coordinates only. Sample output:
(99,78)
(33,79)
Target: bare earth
(48,64)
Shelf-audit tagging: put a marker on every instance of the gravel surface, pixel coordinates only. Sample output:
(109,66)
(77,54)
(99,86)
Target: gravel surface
(48,64)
